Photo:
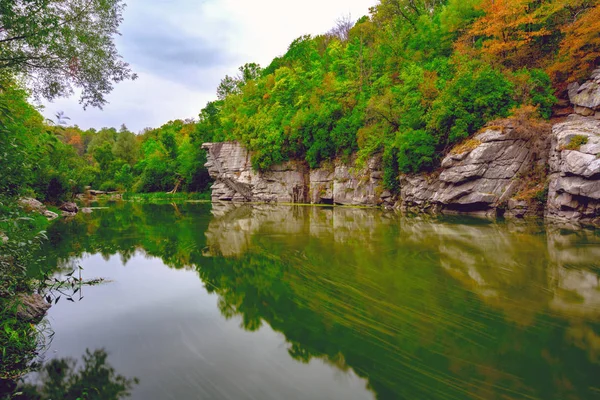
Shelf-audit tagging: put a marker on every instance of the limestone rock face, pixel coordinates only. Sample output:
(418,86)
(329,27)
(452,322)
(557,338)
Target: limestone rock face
(475,181)
(574,191)
(229,165)
(290,182)
(586,97)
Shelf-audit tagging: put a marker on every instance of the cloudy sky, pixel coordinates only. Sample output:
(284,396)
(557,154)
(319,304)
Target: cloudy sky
(181,49)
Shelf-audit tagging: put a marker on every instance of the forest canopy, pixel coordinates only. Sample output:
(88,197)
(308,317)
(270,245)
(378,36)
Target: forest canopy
(410,81)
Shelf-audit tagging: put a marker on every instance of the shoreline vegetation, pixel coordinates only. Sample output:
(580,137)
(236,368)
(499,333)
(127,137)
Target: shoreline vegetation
(409,81)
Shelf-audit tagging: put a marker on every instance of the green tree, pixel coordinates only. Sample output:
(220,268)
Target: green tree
(59,45)
(126,146)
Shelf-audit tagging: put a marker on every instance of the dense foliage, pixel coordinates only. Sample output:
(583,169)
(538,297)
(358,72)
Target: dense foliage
(53,162)
(411,80)
(61,44)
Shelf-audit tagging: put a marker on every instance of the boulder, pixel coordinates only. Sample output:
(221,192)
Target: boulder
(30,204)
(50,215)
(31,307)
(33,205)
(69,207)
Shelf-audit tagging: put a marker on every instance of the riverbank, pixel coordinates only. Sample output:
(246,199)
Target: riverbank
(518,167)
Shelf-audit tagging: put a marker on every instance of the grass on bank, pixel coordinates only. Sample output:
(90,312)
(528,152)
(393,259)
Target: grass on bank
(19,340)
(161,196)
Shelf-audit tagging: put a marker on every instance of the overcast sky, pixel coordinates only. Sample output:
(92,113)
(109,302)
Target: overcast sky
(181,49)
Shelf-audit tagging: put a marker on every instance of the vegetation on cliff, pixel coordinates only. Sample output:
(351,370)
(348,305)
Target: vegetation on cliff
(410,80)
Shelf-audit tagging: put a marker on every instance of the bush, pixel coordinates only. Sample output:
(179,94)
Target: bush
(471,99)
(534,88)
(576,142)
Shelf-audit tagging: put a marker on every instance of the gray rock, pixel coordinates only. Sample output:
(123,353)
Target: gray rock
(477,181)
(32,307)
(30,204)
(290,182)
(586,97)
(33,205)
(574,188)
(517,208)
(586,112)
(3,238)
(69,207)
(50,215)
(461,173)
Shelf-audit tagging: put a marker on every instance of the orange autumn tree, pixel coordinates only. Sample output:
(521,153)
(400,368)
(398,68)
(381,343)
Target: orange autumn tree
(579,51)
(508,31)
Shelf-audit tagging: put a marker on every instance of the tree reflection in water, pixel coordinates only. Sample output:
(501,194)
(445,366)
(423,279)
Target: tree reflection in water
(63,378)
(422,308)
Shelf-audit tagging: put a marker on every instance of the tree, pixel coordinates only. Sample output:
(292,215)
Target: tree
(342,28)
(59,45)
(508,30)
(249,72)
(228,86)
(407,10)
(579,52)
(126,146)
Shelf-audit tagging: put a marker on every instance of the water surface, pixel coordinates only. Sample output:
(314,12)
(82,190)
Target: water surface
(278,302)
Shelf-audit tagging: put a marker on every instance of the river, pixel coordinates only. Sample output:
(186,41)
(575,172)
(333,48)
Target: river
(295,302)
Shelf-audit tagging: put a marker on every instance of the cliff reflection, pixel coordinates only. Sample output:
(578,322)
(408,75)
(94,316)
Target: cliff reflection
(422,308)
(365,289)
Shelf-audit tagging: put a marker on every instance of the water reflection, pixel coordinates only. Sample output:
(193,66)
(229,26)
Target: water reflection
(63,378)
(420,307)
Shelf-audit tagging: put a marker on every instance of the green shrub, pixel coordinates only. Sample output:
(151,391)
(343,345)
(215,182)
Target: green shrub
(476,95)
(576,142)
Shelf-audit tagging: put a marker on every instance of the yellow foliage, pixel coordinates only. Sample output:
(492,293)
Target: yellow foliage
(580,49)
(507,29)
(467,145)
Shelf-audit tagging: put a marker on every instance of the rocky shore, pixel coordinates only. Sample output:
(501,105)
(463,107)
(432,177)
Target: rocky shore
(515,168)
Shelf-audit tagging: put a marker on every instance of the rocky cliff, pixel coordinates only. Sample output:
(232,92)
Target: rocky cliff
(482,177)
(574,182)
(514,168)
(292,182)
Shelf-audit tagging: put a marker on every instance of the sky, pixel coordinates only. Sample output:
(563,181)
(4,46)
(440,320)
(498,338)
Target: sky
(181,49)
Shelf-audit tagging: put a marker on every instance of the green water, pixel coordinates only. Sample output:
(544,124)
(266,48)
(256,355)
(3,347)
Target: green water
(275,302)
